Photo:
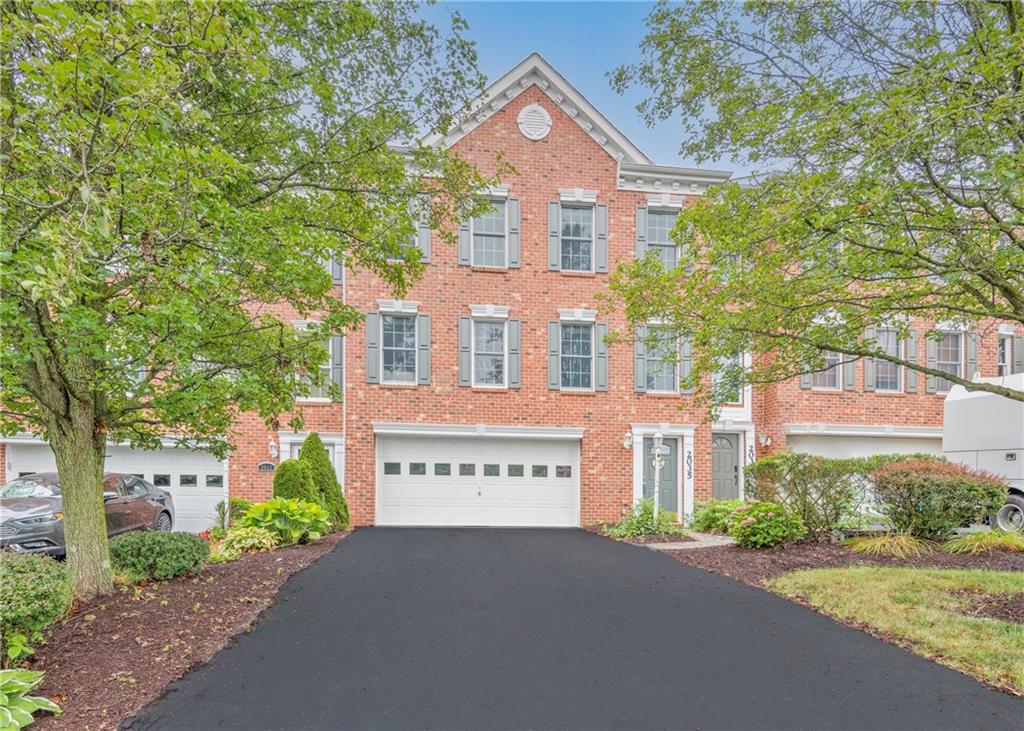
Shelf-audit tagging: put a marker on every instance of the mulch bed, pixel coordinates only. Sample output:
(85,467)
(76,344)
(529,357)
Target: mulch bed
(114,655)
(755,567)
(1009,608)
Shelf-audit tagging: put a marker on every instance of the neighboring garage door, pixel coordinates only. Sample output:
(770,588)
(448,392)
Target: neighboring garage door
(478,481)
(194,479)
(858,446)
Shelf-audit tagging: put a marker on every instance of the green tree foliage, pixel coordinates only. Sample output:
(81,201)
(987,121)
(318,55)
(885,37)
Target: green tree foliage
(169,166)
(894,133)
(293,479)
(325,479)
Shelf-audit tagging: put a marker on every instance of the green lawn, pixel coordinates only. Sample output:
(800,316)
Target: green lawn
(921,607)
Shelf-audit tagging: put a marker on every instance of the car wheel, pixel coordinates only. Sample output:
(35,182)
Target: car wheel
(1011,516)
(163,522)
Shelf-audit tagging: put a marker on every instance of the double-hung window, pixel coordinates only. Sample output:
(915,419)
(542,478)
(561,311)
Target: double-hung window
(827,378)
(577,238)
(398,348)
(888,375)
(489,353)
(725,380)
(659,225)
(662,356)
(577,356)
(1004,352)
(321,391)
(949,358)
(490,237)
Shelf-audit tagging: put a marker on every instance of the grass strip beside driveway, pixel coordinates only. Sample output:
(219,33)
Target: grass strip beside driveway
(926,610)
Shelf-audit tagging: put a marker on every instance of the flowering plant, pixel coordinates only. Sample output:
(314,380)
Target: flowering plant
(761,525)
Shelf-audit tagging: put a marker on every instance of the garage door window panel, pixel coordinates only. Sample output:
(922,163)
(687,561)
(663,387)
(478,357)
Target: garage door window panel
(540,470)
(392,468)
(417,468)
(188,480)
(162,480)
(467,470)
(515,470)
(442,469)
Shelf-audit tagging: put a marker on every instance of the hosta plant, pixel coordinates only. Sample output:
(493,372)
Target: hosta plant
(290,521)
(241,540)
(641,522)
(16,706)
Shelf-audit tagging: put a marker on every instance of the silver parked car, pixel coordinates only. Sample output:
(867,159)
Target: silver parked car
(31,519)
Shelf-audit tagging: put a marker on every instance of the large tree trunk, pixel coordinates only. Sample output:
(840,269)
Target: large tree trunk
(80,452)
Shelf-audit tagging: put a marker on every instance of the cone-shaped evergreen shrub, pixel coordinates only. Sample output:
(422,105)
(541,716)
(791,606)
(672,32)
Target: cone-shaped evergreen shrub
(294,479)
(325,479)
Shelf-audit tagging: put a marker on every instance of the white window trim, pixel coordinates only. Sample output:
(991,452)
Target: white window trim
(839,378)
(679,358)
(577,195)
(593,350)
(1008,364)
(670,202)
(593,233)
(948,330)
(472,222)
(503,321)
(579,315)
(397,307)
(415,347)
(900,370)
(304,325)
(489,312)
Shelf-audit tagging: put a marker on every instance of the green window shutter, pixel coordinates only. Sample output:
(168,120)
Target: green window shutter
(554,235)
(849,374)
(931,383)
(372,347)
(911,354)
(640,359)
(514,377)
(601,241)
(423,356)
(685,362)
(554,351)
(423,226)
(641,232)
(601,357)
(972,355)
(869,363)
(465,244)
(806,380)
(337,361)
(513,233)
(465,339)
(1018,354)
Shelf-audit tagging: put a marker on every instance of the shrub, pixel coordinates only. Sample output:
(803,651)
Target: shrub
(237,507)
(325,480)
(931,499)
(761,525)
(713,516)
(34,593)
(641,522)
(290,521)
(819,491)
(16,706)
(293,480)
(157,555)
(241,540)
(899,545)
(975,543)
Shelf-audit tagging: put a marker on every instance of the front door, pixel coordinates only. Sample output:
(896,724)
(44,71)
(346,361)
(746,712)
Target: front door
(668,495)
(725,466)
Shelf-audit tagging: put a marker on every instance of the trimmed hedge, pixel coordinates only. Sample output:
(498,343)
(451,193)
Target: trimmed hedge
(158,555)
(293,480)
(325,480)
(931,499)
(34,593)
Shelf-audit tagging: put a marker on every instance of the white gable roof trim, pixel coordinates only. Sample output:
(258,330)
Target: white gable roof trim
(534,70)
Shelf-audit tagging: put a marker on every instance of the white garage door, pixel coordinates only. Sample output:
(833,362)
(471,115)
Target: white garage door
(478,481)
(836,446)
(194,479)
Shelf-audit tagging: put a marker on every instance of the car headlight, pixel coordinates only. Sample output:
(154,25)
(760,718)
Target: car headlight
(51,518)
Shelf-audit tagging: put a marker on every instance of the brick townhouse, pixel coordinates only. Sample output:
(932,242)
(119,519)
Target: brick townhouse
(488,396)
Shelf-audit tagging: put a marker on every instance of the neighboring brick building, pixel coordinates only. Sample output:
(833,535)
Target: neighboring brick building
(487,395)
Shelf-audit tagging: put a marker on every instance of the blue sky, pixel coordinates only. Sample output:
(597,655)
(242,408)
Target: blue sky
(584,41)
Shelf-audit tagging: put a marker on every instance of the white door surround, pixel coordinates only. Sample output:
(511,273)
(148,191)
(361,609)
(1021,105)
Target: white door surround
(683,432)
(334,442)
(744,429)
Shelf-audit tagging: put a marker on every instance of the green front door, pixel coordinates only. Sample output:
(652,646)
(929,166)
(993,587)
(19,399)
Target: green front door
(668,495)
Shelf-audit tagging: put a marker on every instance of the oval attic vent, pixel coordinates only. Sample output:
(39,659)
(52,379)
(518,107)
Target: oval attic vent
(534,122)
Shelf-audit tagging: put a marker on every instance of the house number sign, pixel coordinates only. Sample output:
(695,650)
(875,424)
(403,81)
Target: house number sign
(689,465)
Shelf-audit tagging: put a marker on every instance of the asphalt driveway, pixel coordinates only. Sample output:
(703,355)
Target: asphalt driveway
(486,629)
